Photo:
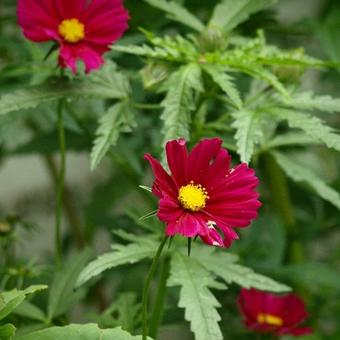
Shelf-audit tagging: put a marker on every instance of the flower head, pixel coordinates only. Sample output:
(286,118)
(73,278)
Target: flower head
(84,29)
(268,313)
(203,196)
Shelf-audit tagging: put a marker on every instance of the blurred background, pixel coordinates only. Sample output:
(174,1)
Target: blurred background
(96,202)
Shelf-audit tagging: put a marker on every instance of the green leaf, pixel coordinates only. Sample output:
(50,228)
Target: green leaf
(310,101)
(131,253)
(230,13)
(248,132)
(119,118)
(224,266)
(300,173)
(226,82)
(79,332)
(106,83)
(291,139)
(62,294)
(312,126)
(195,296)
(178,13)
(28,310)
(180,101)
(7,331)
(11,299)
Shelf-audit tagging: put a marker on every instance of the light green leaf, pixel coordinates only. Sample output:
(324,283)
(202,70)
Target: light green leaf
(28,310)
(130,253)
(178,13)
(180,101)
(226,82)
(195,296)
(230,13)
(310,101)
(62,294)
(89,331)
(248,132)
(291,138)
(7,331)
(300,173)
(119,118)
(12,299)
(106,83)
(312,126)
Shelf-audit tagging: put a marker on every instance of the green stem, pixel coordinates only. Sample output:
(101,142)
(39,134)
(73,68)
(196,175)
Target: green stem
(157,313)
(147,287)
(282,204)
(60,183)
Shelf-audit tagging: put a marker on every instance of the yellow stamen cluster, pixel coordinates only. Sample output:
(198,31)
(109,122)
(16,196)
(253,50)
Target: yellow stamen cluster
(193,196)
(269,319)
(72,30)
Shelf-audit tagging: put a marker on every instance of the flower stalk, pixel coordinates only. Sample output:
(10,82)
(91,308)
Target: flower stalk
(146,288)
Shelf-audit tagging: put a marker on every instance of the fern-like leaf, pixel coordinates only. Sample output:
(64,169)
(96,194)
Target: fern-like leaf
(131,253)
(312,126)
(177,13)
(180,101)
(300,173)
(248,132)
(195,296)
(226,82)
(230,13)
(119,118)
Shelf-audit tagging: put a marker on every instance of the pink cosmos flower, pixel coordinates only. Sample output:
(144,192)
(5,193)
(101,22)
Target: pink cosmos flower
(84,29)
(203,196)
(268,313)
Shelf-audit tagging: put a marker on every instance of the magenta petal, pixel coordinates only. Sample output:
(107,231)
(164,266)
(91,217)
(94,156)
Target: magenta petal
(187,225)
(213,238)
(177,156)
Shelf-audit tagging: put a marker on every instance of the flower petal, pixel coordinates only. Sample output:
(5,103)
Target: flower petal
(187,225)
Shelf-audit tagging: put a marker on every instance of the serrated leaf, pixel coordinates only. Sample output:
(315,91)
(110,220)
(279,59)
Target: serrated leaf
(89,331)
(312,126)
(180,101)
(104,84)
(62,294)
(119,118)
(177,13)
(230,13)
(130,253)
(195,296)
(226,82)
(310,101)
(13,298)
(248,132)
(300,173)
(291,139)
(224,266)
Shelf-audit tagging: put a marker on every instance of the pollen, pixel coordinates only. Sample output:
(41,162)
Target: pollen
(269,319)
(193,196)
(72,30)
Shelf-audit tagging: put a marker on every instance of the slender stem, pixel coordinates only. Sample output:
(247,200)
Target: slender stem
(282,204)
(60,183)
(147,287)
(157,313)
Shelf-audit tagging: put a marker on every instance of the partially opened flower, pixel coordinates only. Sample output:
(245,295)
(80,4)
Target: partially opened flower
(84,29)
(268,313)
(203,196)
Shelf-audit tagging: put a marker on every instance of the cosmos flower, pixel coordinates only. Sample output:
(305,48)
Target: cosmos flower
(84,29)
(268,313)
(203,196)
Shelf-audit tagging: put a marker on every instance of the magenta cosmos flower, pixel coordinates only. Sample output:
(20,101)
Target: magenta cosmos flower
(84,29)
(203,194)
(268,313)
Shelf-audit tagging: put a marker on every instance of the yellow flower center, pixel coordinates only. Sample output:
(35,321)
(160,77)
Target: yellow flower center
(269,319)
(72,30)
(193,196)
